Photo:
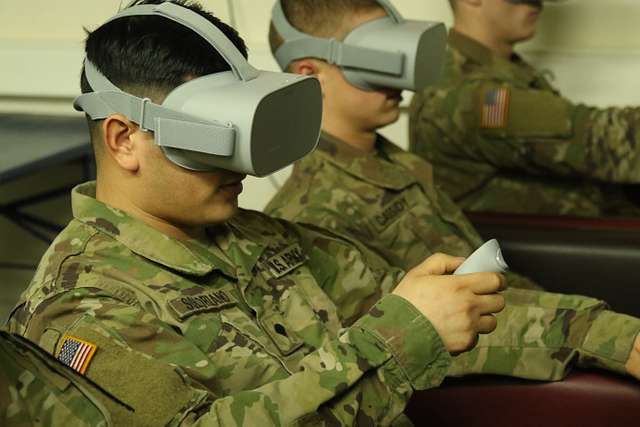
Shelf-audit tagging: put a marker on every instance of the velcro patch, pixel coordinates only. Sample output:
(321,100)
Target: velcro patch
(390,213)
(284,261)
(76,353)
(495,108)
(188,305)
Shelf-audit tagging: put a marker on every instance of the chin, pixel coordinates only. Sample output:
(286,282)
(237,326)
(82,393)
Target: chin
(525,37)
(392,117)
(222,214)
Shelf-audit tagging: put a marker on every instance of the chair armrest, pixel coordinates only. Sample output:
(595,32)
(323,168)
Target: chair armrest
(583,399)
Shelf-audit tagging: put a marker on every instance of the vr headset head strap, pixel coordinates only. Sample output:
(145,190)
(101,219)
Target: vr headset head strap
(212,34)
(391,11)
(108,99)
(298,45)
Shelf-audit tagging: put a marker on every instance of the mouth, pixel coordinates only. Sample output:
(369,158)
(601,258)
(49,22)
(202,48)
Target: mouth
(234,187)
(395,95)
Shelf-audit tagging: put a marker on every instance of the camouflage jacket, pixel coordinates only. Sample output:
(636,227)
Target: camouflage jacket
(502,139)
(266,322)
(36,389)
(271,323)
(386,199)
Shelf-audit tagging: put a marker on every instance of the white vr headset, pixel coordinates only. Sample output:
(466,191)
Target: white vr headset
(244,120)
(390,52)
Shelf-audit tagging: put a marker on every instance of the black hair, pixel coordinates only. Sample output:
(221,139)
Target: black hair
(148,56)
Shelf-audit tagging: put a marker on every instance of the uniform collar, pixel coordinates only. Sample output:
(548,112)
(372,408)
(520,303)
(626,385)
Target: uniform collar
(379,167)
(189,256)
(470,48)
(476,52)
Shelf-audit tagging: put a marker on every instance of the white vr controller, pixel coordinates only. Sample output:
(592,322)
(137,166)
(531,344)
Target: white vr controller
(486,259)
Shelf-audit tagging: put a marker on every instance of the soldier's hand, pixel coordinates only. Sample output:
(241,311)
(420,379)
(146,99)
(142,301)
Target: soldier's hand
(459,307)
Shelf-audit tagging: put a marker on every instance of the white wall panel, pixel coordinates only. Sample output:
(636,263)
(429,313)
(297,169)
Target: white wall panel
(592,46)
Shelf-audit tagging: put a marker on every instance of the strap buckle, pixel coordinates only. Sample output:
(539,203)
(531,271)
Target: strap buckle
(143,110)
(334,56)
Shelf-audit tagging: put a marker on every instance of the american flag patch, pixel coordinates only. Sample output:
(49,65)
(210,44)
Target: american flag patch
(495,108)
(76,353)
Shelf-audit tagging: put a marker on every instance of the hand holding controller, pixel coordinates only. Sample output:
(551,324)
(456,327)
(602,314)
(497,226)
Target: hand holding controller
(486,259)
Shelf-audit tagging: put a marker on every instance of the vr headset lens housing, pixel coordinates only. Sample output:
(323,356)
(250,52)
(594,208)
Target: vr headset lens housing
(422,47)
(276,119)
(244,120)
(390,52)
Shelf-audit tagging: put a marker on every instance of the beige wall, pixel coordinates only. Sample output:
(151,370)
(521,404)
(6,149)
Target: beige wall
(593,47)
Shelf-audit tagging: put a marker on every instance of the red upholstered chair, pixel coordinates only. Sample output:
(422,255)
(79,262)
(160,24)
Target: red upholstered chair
(583,399)
(595,257)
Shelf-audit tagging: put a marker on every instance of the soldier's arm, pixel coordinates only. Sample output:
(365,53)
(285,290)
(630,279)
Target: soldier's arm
(148,365)
(534,131)
(541,335)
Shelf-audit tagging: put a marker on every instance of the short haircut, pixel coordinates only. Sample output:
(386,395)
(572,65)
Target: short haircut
(149,56)
(321,18)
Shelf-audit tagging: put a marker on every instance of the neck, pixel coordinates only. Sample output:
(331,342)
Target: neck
(482,35)
(110,195)
(362,139)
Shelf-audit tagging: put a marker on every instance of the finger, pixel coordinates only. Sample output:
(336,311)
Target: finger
(490,304)
(484,283)
(438,264)
(487,324)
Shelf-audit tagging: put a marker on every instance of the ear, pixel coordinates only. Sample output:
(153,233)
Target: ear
(118,133)
(312,67)
(306,67)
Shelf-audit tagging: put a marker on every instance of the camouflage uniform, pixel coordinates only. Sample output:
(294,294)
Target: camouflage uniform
(36,389)
(264,323)
(540,155)
(267,322)
(385,199)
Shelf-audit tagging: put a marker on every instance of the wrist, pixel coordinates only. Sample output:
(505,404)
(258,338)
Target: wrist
(633,363)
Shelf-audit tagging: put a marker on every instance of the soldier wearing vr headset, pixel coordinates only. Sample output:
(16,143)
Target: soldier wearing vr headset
(189,311)
(358,183)
(502,139)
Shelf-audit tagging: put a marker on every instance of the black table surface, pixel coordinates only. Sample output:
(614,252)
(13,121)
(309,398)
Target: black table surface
(29,143)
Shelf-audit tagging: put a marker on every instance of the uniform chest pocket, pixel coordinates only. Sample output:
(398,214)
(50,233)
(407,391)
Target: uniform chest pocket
(293,310)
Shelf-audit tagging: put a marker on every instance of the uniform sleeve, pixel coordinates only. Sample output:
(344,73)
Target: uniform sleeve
(535,131)
(149,366)
(541,335)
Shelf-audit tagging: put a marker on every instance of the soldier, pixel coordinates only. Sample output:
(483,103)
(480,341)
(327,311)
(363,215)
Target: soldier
(190,311)
(254,320)
(360,184)
(502,139)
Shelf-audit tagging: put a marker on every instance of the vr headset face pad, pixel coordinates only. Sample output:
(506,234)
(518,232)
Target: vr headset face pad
(421,43)
(276,117)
